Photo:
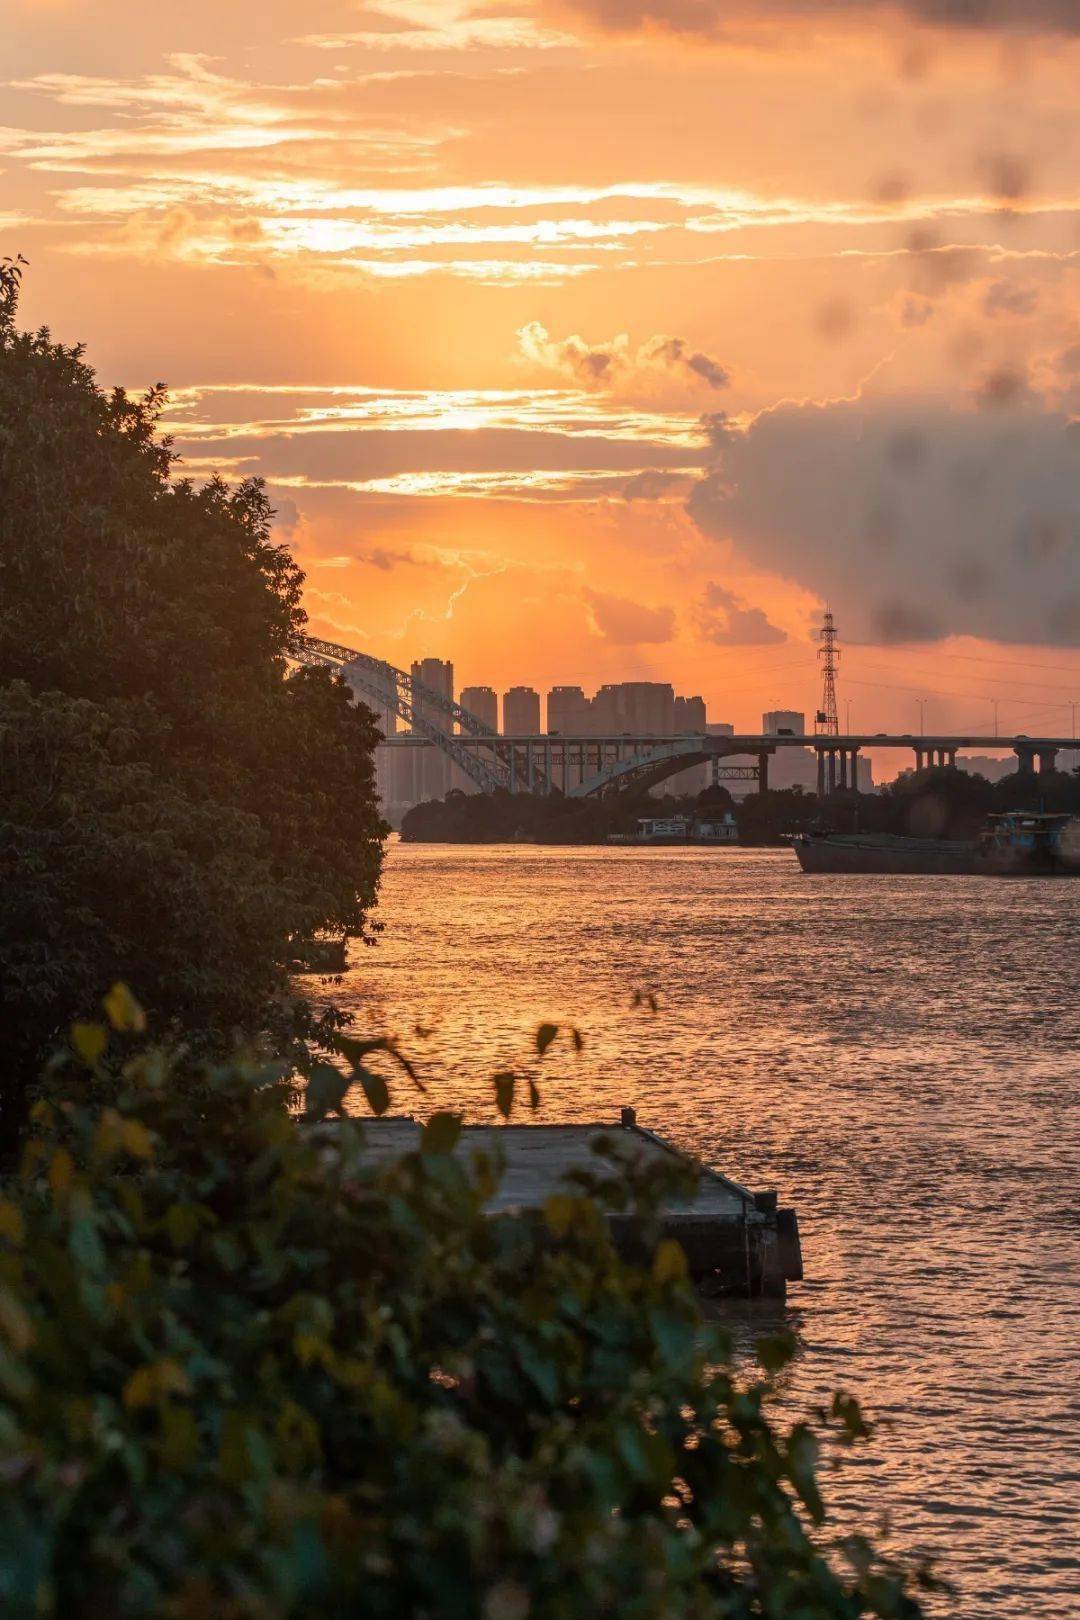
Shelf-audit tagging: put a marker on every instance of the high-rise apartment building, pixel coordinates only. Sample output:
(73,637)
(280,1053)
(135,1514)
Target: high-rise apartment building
(521,712)
(437,673)
(689,715)
(569,712)
(641,706)
(426,772)
(482,702)
(688,719)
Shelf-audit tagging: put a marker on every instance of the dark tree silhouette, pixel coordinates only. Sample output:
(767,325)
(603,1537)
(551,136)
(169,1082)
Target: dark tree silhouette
(175,807)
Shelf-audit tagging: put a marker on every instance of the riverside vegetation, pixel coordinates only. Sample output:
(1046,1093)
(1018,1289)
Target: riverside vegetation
(938,803)
(176,808)
(243,1374)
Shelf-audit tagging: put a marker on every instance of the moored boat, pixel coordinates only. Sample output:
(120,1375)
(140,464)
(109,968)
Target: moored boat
(1017,843)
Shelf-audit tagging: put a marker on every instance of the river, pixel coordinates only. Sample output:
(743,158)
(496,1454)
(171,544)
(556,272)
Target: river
(898,1056)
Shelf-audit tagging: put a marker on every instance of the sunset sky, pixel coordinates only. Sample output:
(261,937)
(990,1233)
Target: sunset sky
(607,339)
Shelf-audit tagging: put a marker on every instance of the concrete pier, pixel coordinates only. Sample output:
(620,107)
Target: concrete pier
(736,1242)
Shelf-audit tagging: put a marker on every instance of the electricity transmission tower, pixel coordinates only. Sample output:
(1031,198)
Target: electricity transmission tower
(827,719)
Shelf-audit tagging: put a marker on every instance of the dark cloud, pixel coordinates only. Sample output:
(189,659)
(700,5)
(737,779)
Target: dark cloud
(1010,298)
(713,17)
(653,485)
(1003,386)
(600,364)
(725,620)
(669,351)
(916,312)
(385,559)
(915,520)
(628,623)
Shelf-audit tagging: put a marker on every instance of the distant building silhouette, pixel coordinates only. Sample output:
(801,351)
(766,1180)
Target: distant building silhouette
(642,706)
(775,721)
(426,772)
(569,712)
(689,718)
(521,712)
(483,703)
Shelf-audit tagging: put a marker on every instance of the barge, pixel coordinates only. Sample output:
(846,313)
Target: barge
(1017,843)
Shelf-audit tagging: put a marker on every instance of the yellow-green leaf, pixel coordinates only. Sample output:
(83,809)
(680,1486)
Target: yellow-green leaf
(545,1034)
(61,1170)
(504,1093)
(440,1134)
(375,1090)
(179,1437)
(89,1040)
(12,1225)
(155,1382)
(559,1212)
(14,1322)
(669,1262)
(123,1010)
(137,1139)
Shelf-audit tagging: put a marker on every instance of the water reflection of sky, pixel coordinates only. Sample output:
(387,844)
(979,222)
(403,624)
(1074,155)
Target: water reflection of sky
(899,1056)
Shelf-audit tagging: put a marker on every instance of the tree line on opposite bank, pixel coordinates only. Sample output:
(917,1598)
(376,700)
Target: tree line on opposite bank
(246,1372)
(936,803)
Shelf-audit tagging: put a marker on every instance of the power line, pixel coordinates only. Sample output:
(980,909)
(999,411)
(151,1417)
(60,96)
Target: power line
(1003,663)
(1019,703)
(1041,686)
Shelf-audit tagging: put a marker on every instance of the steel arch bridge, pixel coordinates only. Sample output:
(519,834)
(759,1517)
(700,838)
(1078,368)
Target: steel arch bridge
(431,717)
(583,766)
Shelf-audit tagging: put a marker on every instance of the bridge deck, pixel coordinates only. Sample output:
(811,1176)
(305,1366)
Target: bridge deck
(750,742)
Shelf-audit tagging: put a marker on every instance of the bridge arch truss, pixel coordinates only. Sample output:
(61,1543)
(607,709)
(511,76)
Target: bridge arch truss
(428,713)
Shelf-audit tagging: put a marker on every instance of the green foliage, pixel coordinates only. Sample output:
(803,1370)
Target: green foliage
(247,1372)
(765,818)
(945,802)
(173,805)
(501,817)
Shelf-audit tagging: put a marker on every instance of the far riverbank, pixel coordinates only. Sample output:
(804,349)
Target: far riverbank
(940,803)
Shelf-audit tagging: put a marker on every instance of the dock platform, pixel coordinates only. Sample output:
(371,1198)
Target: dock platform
(736,1242)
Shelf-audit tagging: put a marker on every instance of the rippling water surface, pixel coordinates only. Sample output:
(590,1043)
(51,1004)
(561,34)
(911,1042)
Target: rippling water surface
(898,1056)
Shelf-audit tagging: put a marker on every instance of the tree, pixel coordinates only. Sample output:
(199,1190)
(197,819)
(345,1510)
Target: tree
(248,1371)
(174,805)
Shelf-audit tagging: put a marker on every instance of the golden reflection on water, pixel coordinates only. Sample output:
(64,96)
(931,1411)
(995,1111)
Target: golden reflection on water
(899,1056)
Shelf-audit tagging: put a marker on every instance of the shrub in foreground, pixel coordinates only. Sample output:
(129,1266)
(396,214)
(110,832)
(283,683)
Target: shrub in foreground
(244,1373)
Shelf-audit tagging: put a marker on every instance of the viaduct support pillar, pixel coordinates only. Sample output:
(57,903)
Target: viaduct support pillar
(821,773)
(1025,760)
(853,757)
(763,772)
(832,771)
(1047,760)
